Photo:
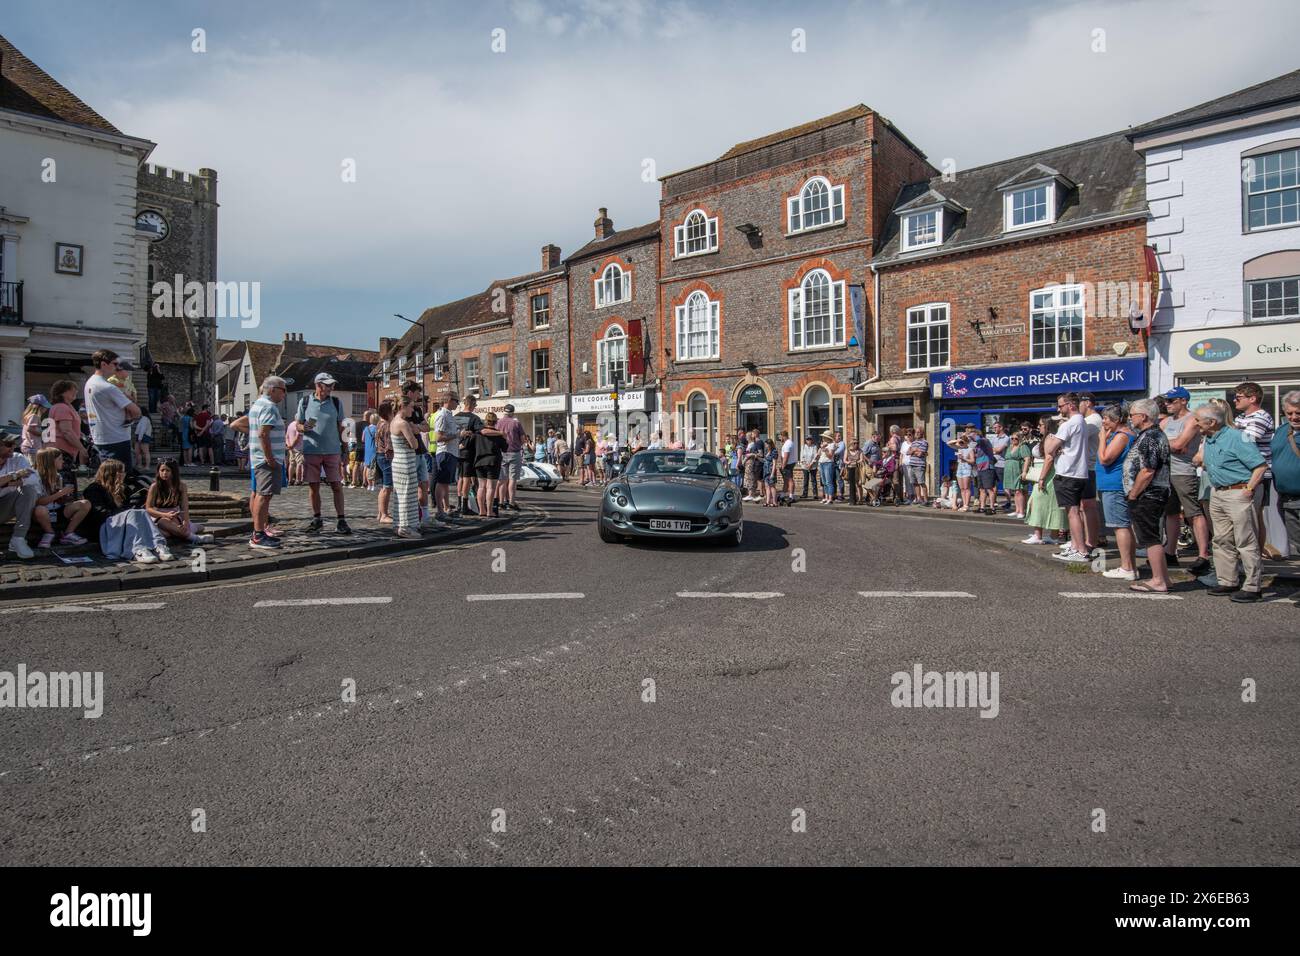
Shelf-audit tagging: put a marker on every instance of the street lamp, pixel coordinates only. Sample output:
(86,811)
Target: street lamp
(423,339)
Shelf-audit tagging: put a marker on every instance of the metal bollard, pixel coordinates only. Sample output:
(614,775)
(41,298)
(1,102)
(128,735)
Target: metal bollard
(214,479)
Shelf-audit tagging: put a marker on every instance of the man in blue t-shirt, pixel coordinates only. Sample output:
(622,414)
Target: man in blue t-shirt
(321,418)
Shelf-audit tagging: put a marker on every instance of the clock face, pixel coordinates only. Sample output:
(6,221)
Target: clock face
(152,223)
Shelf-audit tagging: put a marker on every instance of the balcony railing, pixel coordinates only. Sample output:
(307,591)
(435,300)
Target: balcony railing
(11,303)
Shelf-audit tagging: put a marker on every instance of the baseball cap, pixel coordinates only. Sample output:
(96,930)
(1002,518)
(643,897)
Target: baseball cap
(510,409)
(324,378)
(1178,392)
(39,399)
(125,365)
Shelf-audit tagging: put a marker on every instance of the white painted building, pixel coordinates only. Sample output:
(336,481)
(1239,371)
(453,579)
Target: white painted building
(1223,184)
(73,266)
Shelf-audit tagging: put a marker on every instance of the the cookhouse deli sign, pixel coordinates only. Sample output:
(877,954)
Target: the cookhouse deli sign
(603,402)
(1106,375)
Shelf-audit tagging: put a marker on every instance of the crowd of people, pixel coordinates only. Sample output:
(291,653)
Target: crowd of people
(1146,470)
(410,455)
(129,515)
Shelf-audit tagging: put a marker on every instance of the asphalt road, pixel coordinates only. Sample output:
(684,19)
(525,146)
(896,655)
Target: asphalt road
(515,731)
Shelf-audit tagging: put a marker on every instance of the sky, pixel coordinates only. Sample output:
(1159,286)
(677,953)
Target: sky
(469,159)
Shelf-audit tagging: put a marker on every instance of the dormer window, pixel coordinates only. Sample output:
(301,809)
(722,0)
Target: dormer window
(697,235)
(1029,207)
(613,286)
(921,229)
(818,204)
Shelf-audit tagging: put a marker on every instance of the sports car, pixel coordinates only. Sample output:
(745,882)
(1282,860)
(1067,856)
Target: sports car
(672,494)
(539,476)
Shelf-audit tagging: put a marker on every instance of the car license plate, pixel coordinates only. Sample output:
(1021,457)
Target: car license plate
(666,524)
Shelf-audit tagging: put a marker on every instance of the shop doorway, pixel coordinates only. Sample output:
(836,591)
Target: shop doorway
(885,422)
(751,410)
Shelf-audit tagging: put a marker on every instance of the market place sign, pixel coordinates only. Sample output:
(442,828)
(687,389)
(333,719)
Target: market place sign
(1104,375)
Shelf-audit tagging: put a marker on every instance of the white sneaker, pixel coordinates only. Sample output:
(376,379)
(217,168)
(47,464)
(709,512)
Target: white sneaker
(145,557)
(1072,557)
(21,548)
(164,554)
(1032,539)
(203,539)
(1119,574)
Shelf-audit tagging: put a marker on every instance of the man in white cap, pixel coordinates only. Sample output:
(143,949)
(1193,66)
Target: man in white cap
(320,416)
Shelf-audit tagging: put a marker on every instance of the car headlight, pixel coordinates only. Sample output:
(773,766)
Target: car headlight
(622,502)
(615,491)
(729,497)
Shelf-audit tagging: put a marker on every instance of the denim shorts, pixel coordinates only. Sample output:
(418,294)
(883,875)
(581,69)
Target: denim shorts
(422,468)
(385,471)
(1114,509)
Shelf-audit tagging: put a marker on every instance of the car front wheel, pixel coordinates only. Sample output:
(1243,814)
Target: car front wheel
(606,535)
(734,539)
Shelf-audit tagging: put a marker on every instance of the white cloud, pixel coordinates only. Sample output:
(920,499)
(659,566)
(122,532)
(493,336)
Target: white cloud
(468,161)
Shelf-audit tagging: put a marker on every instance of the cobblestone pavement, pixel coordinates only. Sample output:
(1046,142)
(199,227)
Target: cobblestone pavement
(229,555)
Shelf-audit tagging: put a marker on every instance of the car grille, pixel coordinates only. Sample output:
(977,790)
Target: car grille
(642,520)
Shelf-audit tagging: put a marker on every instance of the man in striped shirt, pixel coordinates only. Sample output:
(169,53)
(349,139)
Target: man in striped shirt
(266,457)
(1256,425)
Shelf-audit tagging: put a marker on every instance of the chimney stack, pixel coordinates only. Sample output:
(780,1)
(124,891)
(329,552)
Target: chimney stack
(550,257)
(604,226)
(293,347)
(385,344)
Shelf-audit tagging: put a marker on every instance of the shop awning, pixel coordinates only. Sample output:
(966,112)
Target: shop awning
(888,386)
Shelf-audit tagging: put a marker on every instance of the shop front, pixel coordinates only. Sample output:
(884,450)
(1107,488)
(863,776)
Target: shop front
(1211,363)
(536,413)
(593,412)
(1011,394)
(887,402)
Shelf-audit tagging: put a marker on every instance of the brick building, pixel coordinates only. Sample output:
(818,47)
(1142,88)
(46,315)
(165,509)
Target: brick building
(1009,284)
(765,291)
(612,280)
(508,344)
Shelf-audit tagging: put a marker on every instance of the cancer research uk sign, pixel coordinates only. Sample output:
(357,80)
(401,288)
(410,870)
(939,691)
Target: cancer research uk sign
(1104,375)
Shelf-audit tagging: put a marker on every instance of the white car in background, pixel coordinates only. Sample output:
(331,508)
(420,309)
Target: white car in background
(539,476)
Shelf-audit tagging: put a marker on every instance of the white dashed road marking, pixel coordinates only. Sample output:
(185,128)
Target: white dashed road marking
(73,608)
(751,595)
(309,602)
(541,596)
(1149,596)
(918,594)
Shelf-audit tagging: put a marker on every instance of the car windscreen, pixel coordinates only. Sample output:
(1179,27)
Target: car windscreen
(696,463)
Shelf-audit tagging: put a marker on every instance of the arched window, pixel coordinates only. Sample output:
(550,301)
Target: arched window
(698,323)
(611,358)
(817,411)
(818,204)
(817,308)
(696,235)
(614,285)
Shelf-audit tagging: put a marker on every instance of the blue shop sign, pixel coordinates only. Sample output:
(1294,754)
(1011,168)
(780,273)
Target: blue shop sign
(1103,375)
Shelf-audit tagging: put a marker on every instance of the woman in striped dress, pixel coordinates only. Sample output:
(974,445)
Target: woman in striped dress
(406,485)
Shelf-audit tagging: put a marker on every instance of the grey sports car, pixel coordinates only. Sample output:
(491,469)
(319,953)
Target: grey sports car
(672,494)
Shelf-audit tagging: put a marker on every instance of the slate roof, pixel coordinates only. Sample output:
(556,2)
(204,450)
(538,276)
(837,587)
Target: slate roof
(170,341)
(1281,89)
(352,375)
(26,88)
(439,320)
(617,240)
(1108,178)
